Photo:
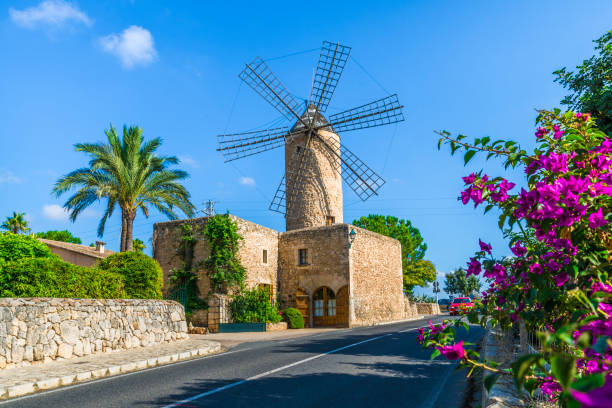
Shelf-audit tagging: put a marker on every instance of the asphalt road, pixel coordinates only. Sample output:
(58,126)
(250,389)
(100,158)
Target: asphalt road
(378,366)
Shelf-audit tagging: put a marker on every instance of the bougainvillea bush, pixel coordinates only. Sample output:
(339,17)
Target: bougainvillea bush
(559,279)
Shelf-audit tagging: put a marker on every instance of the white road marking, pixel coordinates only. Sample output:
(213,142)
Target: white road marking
(255,377)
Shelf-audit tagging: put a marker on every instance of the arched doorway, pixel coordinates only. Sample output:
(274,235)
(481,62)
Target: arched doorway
(302,303)
(324,307)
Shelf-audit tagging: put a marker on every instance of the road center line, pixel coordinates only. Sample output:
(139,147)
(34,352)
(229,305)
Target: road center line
(255,377)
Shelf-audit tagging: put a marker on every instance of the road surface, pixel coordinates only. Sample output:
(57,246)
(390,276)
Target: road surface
(379,366)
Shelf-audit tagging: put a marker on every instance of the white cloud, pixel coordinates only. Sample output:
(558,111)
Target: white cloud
(55,212)
(134,46)
(247,181)
(8,177)
(50,13)
(191,162)
(58,213)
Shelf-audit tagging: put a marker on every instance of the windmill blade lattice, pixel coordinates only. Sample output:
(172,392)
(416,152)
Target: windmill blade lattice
(364,181)
(381,112)
(332,60)
(258,76)
(238,145)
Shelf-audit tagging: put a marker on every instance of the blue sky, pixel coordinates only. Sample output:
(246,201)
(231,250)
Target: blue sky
(69,69)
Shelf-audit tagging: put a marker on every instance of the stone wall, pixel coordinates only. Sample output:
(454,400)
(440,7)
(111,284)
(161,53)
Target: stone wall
(376,279)
(428,308)
(327,261)
(218,311)
(256,239)
(39,330)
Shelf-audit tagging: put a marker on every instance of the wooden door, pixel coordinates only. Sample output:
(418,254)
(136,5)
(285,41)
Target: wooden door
(302,303)
(324,307)
(342,304)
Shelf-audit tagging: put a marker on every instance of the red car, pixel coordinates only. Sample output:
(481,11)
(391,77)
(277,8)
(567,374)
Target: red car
(460,305)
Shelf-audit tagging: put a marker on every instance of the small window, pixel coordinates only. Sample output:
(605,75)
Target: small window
(302,257)
(298,149)
(264,256)
(330,220)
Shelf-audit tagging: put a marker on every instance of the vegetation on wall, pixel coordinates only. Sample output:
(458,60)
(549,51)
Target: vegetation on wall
(52,277)
(63,236)
(16,223)
(14,247)
(416,270)
(252,306)
(126,172)
(142,275)
(223,265)
(186,278)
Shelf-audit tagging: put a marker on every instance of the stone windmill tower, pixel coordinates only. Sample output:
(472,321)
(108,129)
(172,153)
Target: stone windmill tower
(316,163)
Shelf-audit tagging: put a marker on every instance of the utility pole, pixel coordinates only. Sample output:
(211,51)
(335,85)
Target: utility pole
(209,209)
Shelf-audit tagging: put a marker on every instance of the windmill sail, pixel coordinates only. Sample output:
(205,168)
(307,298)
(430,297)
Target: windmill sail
(332,60)
(235,146)
(258,76)
(381,112)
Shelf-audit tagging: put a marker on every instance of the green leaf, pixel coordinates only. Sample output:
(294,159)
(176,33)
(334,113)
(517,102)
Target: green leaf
(435,354)
(490,381)
(522,366)
(468,156)
(563,368)
(589,383)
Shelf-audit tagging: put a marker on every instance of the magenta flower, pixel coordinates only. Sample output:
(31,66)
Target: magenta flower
(540,132)
(536,269)
(469,179)
(599,397)
(561,279)
(484,246)
(597,219)
(518,249)
(474,267)
(454,352)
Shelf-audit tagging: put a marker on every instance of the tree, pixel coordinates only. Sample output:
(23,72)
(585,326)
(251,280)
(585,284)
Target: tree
(129,174)
(138,245)
(457,283)
(591,84)
(64,236)
(16,223)
(416,270)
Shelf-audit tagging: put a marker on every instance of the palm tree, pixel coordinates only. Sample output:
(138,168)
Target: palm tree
(127,173)
(16,224)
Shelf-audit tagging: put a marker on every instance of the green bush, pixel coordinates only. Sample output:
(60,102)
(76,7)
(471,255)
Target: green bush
(294,318)
(253,306)
(16,246)
(142,275)
(52,277)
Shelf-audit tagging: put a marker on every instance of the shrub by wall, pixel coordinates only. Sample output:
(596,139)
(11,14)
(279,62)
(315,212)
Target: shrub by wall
(142,275)
(52,277)
(15,246)
(252,306)
(294,318)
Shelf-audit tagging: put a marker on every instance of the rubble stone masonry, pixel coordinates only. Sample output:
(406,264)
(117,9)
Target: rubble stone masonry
(40,330)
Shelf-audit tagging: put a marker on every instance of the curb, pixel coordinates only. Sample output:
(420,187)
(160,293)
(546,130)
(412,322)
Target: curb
(84,376)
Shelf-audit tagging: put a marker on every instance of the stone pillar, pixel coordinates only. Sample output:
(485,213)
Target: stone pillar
(218,311)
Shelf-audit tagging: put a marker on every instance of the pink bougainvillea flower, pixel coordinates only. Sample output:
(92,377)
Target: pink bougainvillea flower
(484,246)
(599,397)
(518,249)
(474,267)
(540,132)
(469,179)
(535,269)
(454,352)
(561,279)
(597,219)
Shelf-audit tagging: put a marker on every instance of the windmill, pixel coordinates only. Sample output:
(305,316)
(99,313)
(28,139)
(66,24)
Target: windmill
(310,192)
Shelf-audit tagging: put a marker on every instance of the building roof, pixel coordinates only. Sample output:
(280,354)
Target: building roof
(81,249)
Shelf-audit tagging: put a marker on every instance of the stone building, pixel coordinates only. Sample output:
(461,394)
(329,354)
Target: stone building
(78,254)
(336,275)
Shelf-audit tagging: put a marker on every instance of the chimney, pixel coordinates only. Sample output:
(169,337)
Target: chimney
(100,246)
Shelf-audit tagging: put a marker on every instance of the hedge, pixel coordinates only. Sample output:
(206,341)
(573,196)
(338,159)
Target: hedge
(15,246)
(142,275)
(294,318)
(52,277)
(252,306)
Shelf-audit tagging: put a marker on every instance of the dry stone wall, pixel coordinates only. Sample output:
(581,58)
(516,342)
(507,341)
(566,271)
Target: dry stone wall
(256,239)
(376,279)
(40,330)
